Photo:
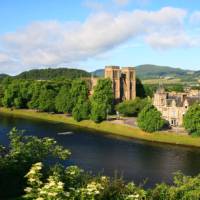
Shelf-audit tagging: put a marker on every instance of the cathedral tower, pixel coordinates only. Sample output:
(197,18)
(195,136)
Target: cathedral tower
(113,72)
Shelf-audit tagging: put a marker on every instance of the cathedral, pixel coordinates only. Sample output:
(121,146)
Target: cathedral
(123,82)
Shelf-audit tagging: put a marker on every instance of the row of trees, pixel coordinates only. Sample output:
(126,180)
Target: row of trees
(60,96)
(73,97)
(25,174)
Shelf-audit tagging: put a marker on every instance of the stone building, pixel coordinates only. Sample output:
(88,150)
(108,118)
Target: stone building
(173,106)
(123,82)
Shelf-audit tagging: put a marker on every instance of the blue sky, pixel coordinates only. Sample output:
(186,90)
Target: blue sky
(90,34)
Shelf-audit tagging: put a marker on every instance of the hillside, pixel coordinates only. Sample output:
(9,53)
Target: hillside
(46,74)
(3,75)
(154,72)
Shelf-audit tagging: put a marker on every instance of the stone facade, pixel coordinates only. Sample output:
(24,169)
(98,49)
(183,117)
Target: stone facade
(174,105)
(123,82)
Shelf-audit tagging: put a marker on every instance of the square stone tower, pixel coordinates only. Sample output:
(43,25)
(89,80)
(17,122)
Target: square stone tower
(113,72)
(124,82)
(128,80)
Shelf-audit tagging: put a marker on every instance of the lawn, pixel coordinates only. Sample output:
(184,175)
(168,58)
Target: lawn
(109,128)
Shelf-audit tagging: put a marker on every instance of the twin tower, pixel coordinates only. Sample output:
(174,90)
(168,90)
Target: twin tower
(123,80)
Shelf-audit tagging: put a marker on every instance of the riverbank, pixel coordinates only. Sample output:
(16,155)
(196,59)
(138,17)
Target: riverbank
(110,128)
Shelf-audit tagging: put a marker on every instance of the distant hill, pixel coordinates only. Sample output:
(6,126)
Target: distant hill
(47,74)
(155,71)
(3,75)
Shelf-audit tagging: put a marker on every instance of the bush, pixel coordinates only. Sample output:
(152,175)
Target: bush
(132,107)
(81,110)
(191,120)
(102,100)
(150,119)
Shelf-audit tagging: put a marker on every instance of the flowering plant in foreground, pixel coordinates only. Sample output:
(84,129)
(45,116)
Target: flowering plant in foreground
(55,189)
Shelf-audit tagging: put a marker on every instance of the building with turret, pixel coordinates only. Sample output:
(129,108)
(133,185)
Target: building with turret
(173,105)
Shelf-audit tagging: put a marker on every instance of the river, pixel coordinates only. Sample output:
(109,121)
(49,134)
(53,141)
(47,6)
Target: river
(135,160)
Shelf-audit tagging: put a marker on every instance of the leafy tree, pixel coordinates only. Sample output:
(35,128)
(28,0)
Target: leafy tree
(63,100)
(132,107)
(47,100)
(17,94)
(191,120)
(1,95)
(98,111)
(35,90)
(81,104)
(16,160)
(78,90)
(183,187)
(81,110)
(12,91)
(102,100)
(150,119)
(140,90)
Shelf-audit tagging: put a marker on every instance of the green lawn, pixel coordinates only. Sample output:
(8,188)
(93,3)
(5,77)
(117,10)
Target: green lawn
(106,127)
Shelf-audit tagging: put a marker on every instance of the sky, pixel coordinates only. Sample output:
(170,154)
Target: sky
(89,34)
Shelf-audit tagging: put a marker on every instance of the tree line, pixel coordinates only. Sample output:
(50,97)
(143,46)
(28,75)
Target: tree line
(73,97)
(59,97)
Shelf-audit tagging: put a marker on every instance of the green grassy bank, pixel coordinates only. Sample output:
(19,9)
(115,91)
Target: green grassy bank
(115,129)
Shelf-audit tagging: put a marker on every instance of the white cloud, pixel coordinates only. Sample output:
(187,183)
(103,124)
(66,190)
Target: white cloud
(51,43)
(195,18)
(94,5)
(164,41)
(121,2)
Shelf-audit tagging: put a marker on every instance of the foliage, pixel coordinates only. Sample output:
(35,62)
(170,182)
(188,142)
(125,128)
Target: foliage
(150,119)
(35,90)
(63,99)
(191,120)
(81,110)
(140,89)
(49,74)
(79,89)
(67,185)
(184,187)
(26,155)
(16,160)
(17,94)
(47,99)
(132,107)
(102,100)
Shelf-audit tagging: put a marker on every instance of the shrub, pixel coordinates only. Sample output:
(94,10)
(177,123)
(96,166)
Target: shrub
(132,107)
(150,119)
(191,120)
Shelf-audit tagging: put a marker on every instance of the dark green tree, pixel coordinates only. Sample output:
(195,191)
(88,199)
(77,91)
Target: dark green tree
(16,160)
(191,120)
(132,107)
(102,100)
(140,90)
(81,110)
(47,99)
(149,119)
(63,100)
(79,88)
(35,90)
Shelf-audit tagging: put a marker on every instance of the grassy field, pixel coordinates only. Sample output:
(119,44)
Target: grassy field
(163,81)
(109,128)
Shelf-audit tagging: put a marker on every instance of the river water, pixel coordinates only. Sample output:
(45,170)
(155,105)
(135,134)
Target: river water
(135,160)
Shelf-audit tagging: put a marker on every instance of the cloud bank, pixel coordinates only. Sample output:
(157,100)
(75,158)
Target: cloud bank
(51,43)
